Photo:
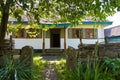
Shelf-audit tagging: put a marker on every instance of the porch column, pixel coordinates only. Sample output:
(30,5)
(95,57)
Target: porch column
(64,39)
(43,42)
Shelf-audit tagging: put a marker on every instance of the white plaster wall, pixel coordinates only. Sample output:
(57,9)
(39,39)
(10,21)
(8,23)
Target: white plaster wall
(101,34)
(35,43)
(47,43)
(75,42)
(62,43)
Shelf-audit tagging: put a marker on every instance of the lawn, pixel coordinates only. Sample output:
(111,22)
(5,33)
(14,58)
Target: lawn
(40,65)
(109,70)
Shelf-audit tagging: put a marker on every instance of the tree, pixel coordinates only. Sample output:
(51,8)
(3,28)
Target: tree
(55,10)
(12,7)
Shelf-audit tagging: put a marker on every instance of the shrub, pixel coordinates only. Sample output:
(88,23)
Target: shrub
(91,70)
(113,66)
(15,70)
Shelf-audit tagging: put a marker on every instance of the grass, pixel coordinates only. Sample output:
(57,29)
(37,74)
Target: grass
(39,66)
(97,72)
(60,66)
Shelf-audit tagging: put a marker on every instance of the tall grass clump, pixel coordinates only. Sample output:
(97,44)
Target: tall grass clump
(90,70)
(15,70)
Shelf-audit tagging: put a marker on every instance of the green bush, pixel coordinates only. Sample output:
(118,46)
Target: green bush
(15,70)
(91,70)
(113,65)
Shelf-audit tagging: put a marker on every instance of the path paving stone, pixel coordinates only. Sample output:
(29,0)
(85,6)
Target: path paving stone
(50,73)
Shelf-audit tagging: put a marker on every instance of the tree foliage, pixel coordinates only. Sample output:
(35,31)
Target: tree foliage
(55,10)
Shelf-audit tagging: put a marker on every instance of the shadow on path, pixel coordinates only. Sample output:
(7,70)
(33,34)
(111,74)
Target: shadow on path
(50,73)
(52,58)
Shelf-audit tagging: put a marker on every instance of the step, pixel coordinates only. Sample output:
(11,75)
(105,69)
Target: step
(54,50)
(52,54)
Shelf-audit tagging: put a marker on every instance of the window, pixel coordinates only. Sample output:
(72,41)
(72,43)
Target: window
(27,33)
(74,33)
(86,33)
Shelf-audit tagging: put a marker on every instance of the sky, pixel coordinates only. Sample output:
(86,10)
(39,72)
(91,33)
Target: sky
(115,18)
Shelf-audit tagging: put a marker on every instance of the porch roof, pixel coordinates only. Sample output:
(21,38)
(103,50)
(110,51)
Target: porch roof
(64,24)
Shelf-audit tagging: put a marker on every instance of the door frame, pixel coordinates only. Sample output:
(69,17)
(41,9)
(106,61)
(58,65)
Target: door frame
(51,37)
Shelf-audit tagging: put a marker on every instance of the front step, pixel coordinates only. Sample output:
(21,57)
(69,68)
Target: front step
(52,54)
(54,51)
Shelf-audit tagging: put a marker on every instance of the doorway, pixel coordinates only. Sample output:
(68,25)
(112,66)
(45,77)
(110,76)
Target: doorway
(55,38)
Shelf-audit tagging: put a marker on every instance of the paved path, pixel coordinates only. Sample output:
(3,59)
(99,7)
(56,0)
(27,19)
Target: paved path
(51,58)
(50,73)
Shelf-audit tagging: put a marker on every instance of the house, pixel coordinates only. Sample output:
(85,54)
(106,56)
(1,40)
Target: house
(61,35)
(112,33)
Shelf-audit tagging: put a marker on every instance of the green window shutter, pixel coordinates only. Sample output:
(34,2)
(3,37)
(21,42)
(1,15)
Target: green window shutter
(95,33)
(70,33)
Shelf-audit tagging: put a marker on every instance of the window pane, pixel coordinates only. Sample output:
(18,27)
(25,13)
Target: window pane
(85,33)
(74,33)
(89,33)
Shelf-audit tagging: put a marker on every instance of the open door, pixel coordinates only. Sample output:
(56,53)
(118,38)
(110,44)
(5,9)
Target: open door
(55,38)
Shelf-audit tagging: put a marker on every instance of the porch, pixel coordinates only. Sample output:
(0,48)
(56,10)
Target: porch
(57,40)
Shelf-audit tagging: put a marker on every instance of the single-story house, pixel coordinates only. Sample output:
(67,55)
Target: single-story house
(112,33)
(61,36)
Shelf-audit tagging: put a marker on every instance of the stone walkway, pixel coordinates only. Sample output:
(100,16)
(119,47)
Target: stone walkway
(50,73)
(51,58)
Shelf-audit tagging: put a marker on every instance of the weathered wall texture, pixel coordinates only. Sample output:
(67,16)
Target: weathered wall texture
(25,55)
(111,50)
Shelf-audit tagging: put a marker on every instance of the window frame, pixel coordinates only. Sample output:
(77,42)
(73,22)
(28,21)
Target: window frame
(69,33)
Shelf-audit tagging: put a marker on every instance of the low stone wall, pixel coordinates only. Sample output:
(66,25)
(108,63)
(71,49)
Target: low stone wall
(25,55)
(95,52)
(71,59)
(111,50)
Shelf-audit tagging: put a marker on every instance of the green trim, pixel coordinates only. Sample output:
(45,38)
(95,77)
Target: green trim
(64,24)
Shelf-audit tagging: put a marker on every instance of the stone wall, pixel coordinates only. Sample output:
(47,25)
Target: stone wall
(71,59)
(111,50)
(25,56)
